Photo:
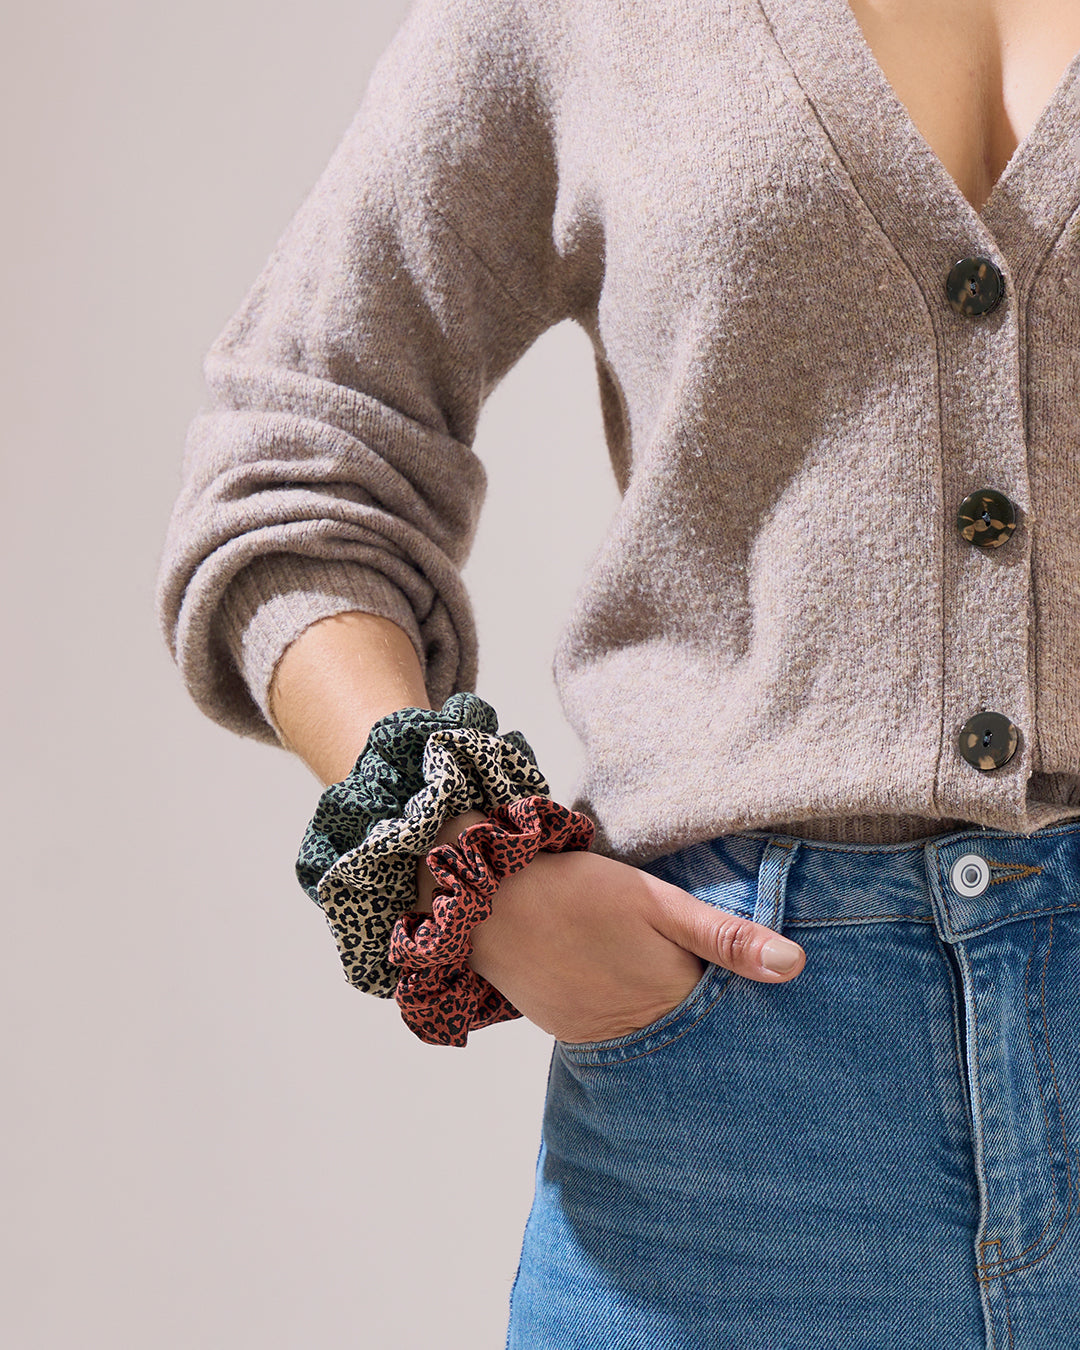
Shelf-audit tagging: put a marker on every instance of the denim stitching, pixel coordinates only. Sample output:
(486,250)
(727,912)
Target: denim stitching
(795,922)
(1009,918)
(1013,871)
(781,877)
(1053,1070)
(647,1034)
(985,1262)
(1004,1298)
(946,899)
(957,1001)
(993,1333)
(976,1095)
(1047,1225)
(1057,1093)
(1014,1270)
(612,1063)
(976,1100)
(1034,1060)
(1008,1313)
(1068,1160)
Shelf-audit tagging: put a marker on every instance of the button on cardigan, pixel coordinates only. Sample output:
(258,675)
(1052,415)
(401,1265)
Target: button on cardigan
(783,628)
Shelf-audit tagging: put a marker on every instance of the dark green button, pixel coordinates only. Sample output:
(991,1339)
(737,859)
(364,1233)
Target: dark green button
(974,286)
(986,518)
(988,740)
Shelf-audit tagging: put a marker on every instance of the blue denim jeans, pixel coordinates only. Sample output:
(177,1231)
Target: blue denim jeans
(880,1154)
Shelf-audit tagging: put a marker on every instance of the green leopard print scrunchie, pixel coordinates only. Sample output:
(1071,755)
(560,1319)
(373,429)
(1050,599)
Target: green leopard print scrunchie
(419,767)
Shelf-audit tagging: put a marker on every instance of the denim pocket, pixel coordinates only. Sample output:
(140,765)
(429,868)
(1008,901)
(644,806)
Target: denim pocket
(723,873)
(694,1008)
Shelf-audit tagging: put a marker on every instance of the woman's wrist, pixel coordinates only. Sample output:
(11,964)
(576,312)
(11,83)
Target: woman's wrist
(335,681)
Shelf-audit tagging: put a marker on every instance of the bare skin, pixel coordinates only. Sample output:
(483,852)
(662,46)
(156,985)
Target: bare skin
(585,946)
(974,75)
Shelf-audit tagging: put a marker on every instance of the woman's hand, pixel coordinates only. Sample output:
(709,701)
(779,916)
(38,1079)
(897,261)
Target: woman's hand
(589,948)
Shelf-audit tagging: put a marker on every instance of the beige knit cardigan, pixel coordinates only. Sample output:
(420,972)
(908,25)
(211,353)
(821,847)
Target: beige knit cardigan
(784,627)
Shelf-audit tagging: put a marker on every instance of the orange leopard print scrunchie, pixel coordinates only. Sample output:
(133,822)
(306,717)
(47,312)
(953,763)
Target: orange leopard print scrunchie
(440,996)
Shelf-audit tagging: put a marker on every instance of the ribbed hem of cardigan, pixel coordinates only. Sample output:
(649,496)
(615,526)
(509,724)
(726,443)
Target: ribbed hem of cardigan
(274,599)
(869,829)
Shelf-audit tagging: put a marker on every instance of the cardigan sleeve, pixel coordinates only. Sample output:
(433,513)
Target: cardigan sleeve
(332,467)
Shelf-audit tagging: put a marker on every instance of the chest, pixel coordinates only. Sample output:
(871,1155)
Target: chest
(974,75)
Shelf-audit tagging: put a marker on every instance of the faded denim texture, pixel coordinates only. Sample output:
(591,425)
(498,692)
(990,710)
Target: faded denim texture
(881,1153)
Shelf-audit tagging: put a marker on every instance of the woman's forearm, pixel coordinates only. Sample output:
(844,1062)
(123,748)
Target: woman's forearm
(330,688)
(334,683)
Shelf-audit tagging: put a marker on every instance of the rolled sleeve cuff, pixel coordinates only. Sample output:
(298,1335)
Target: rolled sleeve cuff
(272,601)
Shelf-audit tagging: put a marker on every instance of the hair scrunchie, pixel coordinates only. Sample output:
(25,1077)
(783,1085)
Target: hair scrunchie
(440,996)
(360,852)
(388,771)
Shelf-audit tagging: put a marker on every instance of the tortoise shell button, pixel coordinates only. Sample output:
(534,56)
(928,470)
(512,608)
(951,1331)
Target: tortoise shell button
(974,286)
(988,740)
(986,518)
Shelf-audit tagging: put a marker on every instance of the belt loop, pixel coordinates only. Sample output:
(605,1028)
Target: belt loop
(772,881)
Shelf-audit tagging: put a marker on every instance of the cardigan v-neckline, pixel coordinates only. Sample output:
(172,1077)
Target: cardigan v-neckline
(1032,130)
(894,168)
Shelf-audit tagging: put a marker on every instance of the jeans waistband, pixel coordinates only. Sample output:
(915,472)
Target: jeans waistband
(966,881)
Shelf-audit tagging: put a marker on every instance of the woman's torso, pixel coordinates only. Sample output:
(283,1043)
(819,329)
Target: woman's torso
(973,74)
(787,624)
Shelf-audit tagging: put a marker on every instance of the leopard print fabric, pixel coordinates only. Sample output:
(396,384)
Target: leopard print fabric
(370,832)
(440,996)
(388,771)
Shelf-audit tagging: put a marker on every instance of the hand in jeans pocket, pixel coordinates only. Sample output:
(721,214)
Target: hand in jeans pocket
(589,948)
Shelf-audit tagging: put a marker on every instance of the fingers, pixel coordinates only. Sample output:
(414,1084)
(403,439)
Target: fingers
(749,949)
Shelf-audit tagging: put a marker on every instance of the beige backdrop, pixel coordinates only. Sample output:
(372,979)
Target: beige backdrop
(210,1140)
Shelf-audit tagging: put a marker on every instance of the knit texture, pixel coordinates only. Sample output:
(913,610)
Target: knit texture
(783,627)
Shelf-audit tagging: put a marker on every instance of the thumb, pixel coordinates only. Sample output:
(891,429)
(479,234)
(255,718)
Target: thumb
(726,939)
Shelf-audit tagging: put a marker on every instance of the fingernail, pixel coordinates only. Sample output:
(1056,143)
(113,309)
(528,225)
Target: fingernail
(779,955)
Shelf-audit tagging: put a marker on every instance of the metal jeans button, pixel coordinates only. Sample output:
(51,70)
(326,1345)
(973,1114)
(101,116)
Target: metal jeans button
(969,875)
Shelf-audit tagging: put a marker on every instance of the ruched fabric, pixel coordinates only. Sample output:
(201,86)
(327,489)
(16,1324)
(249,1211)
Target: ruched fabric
(359,855)
(440,996)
